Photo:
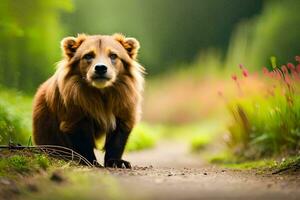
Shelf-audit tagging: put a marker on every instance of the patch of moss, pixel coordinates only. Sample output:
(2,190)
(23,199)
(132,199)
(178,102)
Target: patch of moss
(42,161)
(289,164)
(19,163)
(259,164)
(275,165)
(24,162)
(228,160)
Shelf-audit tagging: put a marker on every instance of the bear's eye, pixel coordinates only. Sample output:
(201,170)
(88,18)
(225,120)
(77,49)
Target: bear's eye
(113,56)
(89,56)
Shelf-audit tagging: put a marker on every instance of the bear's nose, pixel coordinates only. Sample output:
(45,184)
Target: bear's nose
(100,69)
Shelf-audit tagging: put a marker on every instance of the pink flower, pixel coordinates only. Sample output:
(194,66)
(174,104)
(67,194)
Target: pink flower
(297,58)
(295,75)
(284,69)
(271,74)
(278,74)
(241,66)
(245,73)
(298,68)
(234,77)
(291,66)
(287,79)
(265,71)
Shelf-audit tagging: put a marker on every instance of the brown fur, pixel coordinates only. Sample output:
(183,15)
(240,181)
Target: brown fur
(68,101)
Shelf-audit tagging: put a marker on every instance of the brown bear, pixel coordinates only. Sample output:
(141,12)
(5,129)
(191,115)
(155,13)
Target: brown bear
(96,90)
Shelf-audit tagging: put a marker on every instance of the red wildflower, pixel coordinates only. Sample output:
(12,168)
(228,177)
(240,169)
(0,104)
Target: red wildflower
(291,66)
(278,74)
(265,71)
(271,74)
(234,77)
(298,68)
(287,79)
(295,75)
(241,66)
(284,69)
(245,73)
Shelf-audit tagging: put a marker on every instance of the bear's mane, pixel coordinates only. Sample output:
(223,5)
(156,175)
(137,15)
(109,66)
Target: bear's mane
(69,94)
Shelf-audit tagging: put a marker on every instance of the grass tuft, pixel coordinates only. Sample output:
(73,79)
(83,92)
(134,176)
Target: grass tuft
(25,162)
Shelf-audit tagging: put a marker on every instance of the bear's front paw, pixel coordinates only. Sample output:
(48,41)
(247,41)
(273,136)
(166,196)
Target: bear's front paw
(97,164)
(118,163)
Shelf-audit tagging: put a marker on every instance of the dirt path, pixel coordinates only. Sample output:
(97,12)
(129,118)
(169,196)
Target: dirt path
(168,171)
(171,172)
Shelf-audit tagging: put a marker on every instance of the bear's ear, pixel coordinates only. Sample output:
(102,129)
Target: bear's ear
(130,44)
(69,45)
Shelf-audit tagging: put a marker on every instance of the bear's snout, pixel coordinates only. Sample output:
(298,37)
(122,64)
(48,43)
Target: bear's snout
(100,69)
(100,75)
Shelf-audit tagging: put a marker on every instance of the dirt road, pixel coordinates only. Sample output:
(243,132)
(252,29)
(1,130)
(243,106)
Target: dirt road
(168,171)
(172,172)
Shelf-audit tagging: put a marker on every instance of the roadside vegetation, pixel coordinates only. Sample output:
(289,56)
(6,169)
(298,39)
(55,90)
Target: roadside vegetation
(266,119)
(17,163)
(15,117)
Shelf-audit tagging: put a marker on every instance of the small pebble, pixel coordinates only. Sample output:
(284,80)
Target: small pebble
(56,177)
(170,174)
(205,173)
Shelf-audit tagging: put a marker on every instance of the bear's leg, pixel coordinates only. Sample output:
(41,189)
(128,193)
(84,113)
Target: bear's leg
(114,147)
(82,140)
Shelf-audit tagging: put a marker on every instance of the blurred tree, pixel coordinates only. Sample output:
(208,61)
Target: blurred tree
(273,33)
(170,31)
(30,31)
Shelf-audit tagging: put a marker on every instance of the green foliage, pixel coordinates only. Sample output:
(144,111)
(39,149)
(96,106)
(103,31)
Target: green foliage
(273,33)
(29,41)
(10,126)
(142,137)
(18,163)
(22,162)
(289,164)
(266,123)
(259,164)
(42,161)
(170,31)
(199,142)
(15,117)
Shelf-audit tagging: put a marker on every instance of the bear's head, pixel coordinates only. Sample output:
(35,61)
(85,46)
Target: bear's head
(100,59)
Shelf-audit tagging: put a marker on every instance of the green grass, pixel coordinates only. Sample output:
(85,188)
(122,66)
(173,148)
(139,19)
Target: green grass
(268,165)
(200,142)
(265,127)
(25,162)
(288,164)
(15,116)
(143,136)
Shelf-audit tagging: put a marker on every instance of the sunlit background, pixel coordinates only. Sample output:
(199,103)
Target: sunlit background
(204,62)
